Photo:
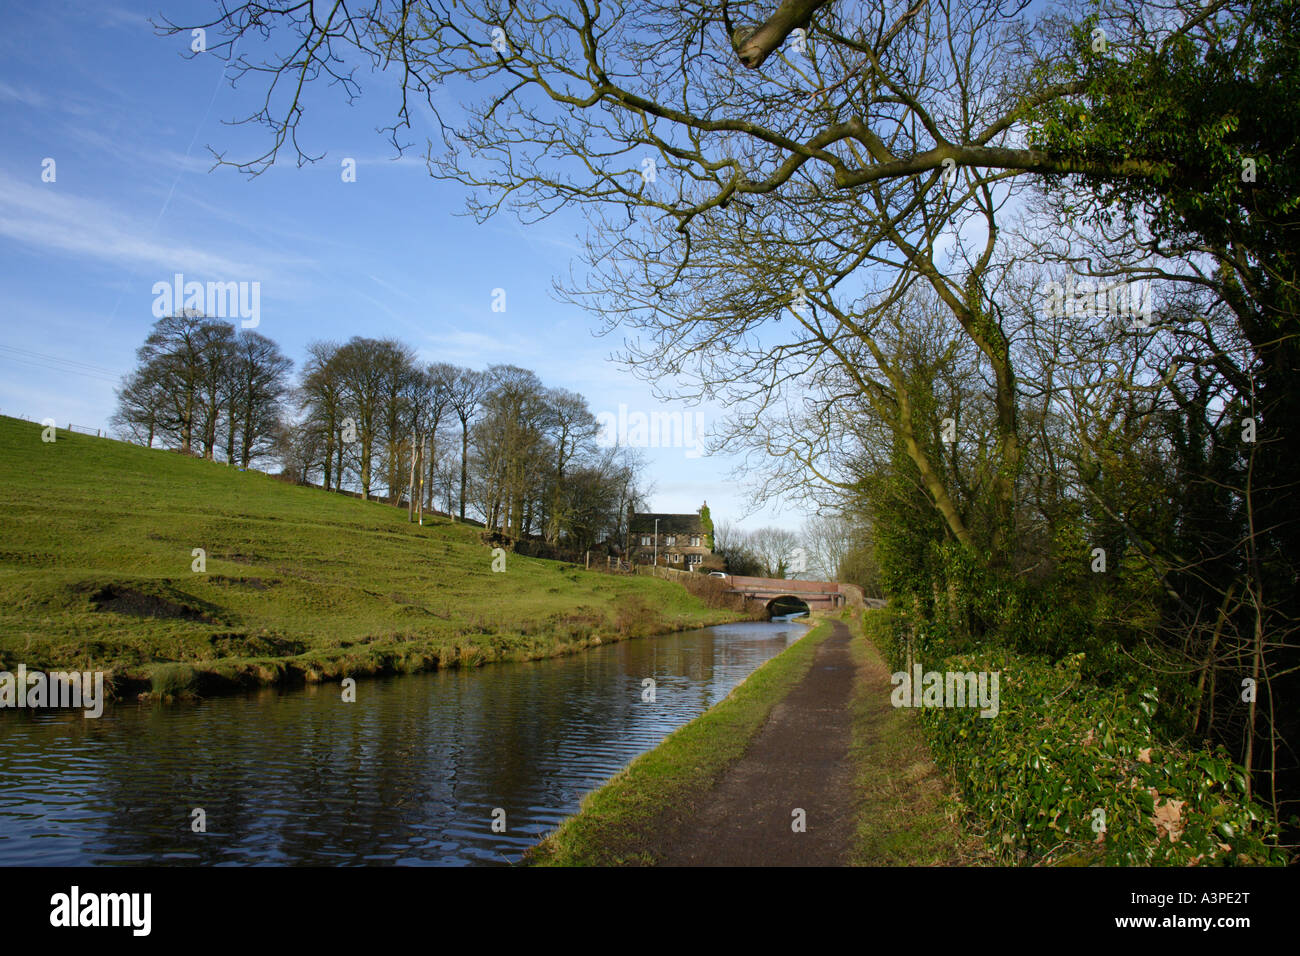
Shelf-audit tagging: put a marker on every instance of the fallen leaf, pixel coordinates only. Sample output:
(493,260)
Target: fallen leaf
(1144,755)
(1169,818)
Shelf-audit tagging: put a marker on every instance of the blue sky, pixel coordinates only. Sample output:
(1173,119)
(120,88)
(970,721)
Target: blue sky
(127,120)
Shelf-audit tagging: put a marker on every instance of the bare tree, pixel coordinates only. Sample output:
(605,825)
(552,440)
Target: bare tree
(437,401)
(465,394)
(369,370)
(140,403)
(572,432)
(259,381)
(828,539)
(321,400)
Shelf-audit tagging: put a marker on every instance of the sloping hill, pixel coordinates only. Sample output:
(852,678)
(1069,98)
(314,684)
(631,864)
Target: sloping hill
(96,553)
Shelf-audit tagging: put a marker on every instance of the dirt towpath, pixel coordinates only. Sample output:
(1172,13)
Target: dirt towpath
(800,760)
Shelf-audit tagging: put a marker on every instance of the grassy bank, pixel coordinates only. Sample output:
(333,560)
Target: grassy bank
(907,814)
(618,824)
(96,573)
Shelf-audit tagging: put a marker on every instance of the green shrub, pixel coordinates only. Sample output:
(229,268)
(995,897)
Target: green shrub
(1069,772)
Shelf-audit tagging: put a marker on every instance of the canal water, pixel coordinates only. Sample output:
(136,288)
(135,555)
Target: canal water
(415,772)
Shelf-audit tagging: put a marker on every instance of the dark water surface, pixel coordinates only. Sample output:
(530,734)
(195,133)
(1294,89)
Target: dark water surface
(411,773)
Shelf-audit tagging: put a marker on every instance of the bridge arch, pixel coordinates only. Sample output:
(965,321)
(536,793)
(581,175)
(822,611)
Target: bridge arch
(787,604)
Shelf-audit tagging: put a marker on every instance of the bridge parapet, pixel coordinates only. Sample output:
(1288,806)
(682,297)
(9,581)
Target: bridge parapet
(822,595)
(789,585)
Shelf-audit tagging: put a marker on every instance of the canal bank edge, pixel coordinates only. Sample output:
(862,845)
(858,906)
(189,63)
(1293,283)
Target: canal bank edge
(173,682)
(623,822)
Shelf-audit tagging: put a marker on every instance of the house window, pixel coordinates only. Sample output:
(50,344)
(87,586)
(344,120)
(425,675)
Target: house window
(695,541)
(645,540)
(670,540)
(675,558)
(694,559)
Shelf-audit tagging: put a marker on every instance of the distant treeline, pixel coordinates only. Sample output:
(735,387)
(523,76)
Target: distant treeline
(365,417)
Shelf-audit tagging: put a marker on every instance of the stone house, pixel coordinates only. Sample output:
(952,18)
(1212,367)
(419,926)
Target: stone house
(683,540)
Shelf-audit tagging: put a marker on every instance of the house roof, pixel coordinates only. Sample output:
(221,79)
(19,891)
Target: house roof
(668,524)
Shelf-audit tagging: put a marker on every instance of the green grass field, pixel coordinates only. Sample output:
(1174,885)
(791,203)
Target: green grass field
(96,553)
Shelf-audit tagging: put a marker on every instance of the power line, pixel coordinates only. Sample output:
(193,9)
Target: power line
(57,363)
(92,367)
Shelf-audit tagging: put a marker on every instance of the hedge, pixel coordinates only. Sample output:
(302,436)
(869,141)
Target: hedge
(1069,773)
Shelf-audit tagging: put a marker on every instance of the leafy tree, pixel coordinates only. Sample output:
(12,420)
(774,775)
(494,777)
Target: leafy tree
(706,521)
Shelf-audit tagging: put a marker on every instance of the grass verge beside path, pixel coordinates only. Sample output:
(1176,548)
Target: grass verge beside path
(625,821)
(907,813)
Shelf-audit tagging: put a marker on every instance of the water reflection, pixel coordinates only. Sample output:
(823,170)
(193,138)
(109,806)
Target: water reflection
(409,774)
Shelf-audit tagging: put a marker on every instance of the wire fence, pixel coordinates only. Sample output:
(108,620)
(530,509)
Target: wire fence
(70,427)
(668,574)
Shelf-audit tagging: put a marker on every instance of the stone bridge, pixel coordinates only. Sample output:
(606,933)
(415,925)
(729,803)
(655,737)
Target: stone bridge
(818,595)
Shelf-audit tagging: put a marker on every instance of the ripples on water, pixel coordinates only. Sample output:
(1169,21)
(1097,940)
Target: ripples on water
(409,774)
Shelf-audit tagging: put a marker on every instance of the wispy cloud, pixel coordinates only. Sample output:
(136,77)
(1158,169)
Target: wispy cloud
(409,160)
(118,17)
(476,344)
(25,95)
(394,289)
(72,105)
(41,215)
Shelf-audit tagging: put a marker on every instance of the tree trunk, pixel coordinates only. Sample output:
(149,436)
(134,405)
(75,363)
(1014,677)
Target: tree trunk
(338,471)
(365,469)
(464,463)
(410,486)
(230,437)
(420,507)
(430,469)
